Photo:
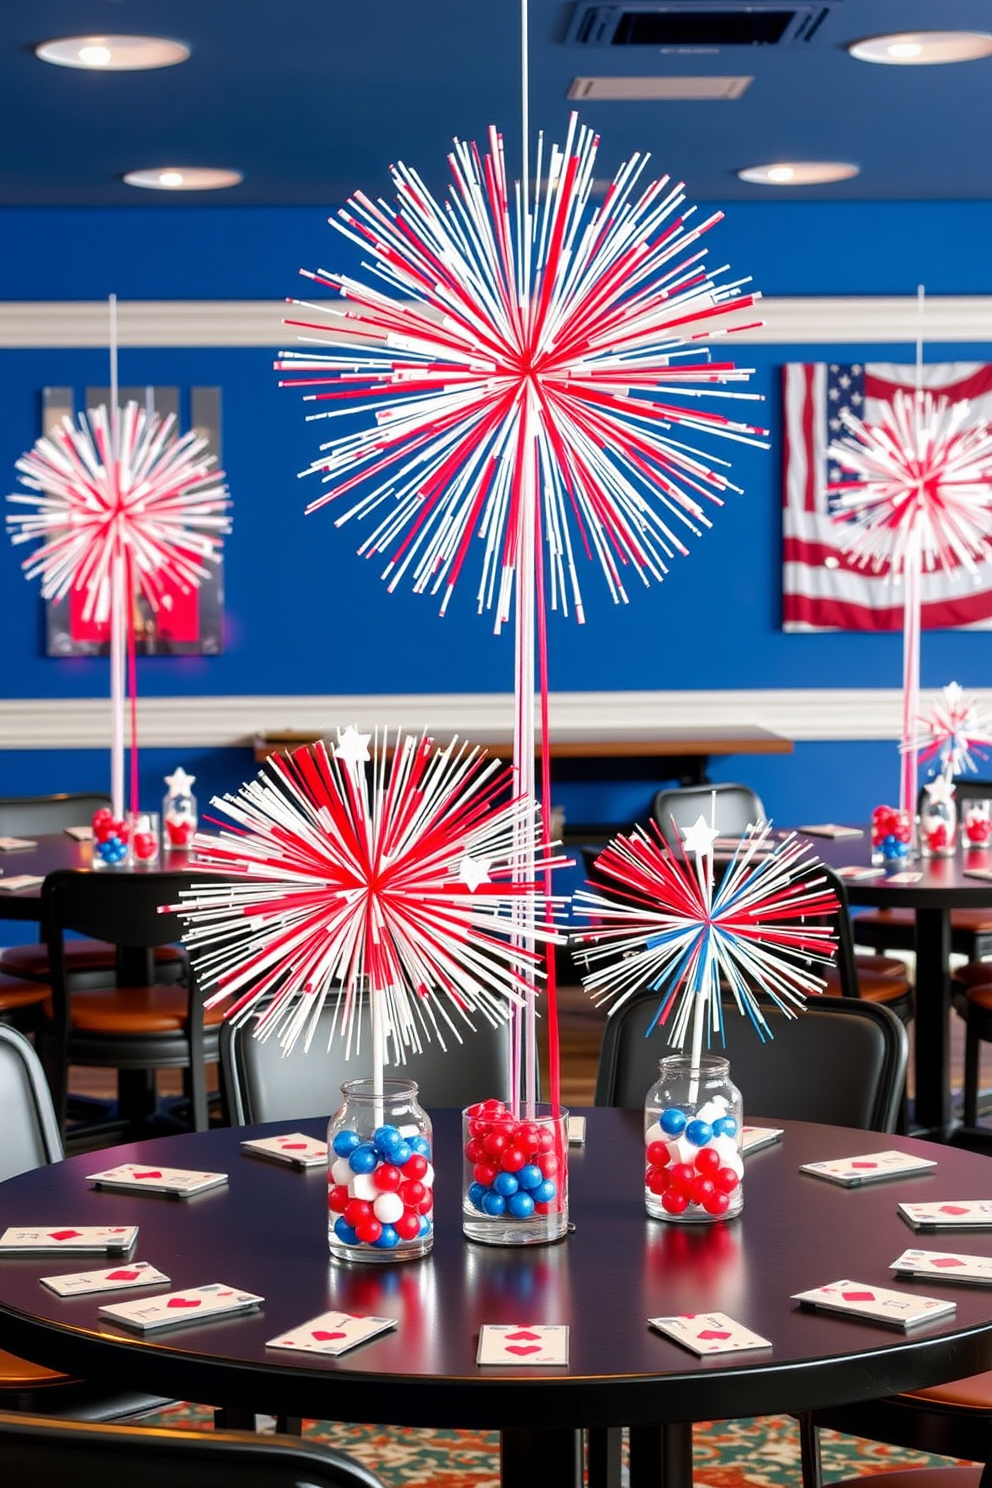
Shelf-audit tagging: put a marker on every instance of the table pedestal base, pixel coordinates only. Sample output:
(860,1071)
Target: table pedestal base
(552,1459)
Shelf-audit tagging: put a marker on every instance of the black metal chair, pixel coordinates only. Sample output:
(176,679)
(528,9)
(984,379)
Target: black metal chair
(31,1139)
(260,1083)
(731,808)
(30,816)
(842,1061)
(133,1023)
(35,1451)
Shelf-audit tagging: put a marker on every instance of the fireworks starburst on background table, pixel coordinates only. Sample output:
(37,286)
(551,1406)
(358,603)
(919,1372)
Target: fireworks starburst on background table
(763,926)
(387,870)
(529,375)
(953,730)
(919,499)
(117,503)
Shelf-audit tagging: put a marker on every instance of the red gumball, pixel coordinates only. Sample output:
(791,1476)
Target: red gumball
(415,1166)
(717,1203)
(702,1189)
(474,1151)
(368,1231)
(426,1204)
(485,1173)
(387,1178)
(656,1180)
(337,1198)
(658,1154)
(707,1160)
(674,1203)
(408,1225)
(726,1180)
(681,1176)
(496,1143)
(356,1212)
(412,1192)
(513,1159)
(144,845)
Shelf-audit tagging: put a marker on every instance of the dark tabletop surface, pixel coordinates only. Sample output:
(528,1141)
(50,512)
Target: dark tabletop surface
(53,852)
(266,1232)
(945,883)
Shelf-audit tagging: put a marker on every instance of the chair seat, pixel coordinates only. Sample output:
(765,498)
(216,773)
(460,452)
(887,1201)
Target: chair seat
(917,1477)
(972,974)
(16,993)
(880,979)
(81,955)
(973,1393)
(134,1010)
(19,1374)
(978,921)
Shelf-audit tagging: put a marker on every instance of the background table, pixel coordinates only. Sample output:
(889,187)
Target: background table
(266,1232)
(944,886)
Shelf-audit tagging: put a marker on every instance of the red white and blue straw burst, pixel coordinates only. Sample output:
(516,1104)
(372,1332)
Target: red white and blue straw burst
(119,488)
(952,731)
(763,927)
(387,870)
(919,499)
(499,340)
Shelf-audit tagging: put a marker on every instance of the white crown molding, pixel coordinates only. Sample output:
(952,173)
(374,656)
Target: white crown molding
(786,321)
(829,714)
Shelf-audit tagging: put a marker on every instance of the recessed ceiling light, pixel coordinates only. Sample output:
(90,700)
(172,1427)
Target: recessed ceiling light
(113,53)
(798,172)
(184,178)
(923,48)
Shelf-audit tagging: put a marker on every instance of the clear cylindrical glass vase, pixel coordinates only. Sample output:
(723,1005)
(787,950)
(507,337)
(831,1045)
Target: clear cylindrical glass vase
(380,1174)
(515,1174)
(693,1120)
(938,825)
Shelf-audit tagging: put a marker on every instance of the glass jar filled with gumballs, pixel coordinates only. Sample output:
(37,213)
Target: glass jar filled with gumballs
(380,1177)
(693,1118)
(891,835)
(976,823)
(938,819)
(179,811)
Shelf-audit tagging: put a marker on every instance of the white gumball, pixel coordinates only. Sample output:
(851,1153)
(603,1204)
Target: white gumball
(388,1208)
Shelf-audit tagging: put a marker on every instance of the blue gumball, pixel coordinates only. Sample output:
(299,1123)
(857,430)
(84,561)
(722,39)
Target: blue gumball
(530,1176)
(385,1138)
(388,1240)
(673,1121)
(344,1232)
(505,1184)
(725,1126)
(363,1158)
(521,1205)
(699,1133)
(425,1226)
(345,1143)
(476,1193)
(401,1154)
(493,1204)
(545,1193)
(420,1144)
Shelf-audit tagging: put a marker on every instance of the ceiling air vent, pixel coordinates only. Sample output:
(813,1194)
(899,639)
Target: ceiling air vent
(691,24)
(668,89)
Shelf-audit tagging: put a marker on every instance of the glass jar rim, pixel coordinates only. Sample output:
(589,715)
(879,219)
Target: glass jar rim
(393,1088)
(709,1064)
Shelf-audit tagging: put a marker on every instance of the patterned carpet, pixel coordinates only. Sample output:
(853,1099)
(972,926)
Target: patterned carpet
(761,1453)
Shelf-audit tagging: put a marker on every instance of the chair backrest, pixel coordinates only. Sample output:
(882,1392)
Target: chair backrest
(731,807)
(22,815)
(36,1450)
(262,1084)
(29,1128)
(842,1061)
(119,906)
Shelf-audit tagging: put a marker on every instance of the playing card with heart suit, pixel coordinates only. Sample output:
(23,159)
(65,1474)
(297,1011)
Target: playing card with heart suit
(295,1149)
(948,1265)
(949,1214)
(523,1343)
(117,1278)
(175,1183)
(869,1167)
(332,1333)
(878,1304)
(708,1333)
(175,1308)
(753,1138)
(69,1239)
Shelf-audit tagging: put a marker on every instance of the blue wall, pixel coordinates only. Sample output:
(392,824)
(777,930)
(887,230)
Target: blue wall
(304,615)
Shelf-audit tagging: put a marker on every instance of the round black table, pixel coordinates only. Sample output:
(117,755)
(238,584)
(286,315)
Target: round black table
(266,1232)
(944,885)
